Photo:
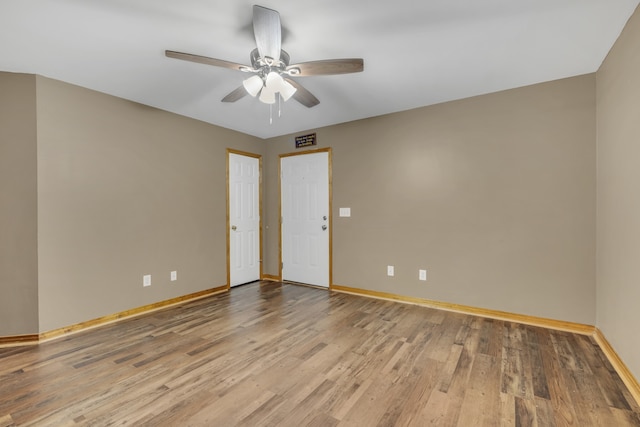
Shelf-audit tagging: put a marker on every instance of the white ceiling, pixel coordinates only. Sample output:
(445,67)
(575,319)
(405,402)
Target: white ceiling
(416,52)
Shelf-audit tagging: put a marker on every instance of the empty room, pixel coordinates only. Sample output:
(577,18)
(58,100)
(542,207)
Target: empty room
(216,213)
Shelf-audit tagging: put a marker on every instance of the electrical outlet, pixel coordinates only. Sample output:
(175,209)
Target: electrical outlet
(174,276)
(146,280)
(390,270)
(422,274)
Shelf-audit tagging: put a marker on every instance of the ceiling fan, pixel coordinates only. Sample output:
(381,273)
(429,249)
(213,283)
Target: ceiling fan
(273,76)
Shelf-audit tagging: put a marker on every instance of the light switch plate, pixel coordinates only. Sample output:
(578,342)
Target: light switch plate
(390,270)
(146,280)
(174,276)
(422,274)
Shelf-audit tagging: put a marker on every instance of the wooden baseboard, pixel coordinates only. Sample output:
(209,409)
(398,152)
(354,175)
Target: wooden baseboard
(271,278)
(625,374)
(100,321)
(93,323)
(559,325)
(16,340)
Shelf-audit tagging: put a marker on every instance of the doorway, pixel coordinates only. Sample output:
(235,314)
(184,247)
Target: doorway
(305,212)
(244,224)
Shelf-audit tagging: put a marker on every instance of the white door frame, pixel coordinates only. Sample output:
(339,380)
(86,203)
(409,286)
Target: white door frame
(330,174)
(259,157)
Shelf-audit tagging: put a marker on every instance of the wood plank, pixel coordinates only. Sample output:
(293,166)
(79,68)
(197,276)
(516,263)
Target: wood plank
(516,366)
(482,405)
(507,410)
(560,395)
(544,412)
(525,412)
(441,409)
(539,379)
(6,421)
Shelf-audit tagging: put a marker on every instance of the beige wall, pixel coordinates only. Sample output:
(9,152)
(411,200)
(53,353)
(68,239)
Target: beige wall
(618,224)
(493,195)
(18,206)
(125,190)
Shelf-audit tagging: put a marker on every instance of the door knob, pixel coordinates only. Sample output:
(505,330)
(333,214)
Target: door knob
(234,228)
(324,227)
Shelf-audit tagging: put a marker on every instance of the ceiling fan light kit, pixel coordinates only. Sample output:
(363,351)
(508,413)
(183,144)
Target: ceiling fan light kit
(267,96)
(253,85)
(287,90)
(273,75)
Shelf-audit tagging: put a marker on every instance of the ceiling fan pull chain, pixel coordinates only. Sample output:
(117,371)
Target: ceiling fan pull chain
(270,114)
(279,105)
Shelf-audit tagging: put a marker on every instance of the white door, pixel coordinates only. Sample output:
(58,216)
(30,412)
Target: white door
(305,218)
(244,219)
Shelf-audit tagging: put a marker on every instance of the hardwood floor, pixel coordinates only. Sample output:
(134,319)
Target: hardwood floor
(268,354)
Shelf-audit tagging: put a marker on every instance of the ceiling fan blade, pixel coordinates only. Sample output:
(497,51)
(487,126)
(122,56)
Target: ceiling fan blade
(328,66)
(302,95)
(205,60)
(235,95)
(267,31)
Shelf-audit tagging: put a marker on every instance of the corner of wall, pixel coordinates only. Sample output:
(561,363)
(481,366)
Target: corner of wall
(18,198)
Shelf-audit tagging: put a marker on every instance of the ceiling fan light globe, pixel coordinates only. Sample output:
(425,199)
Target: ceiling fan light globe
(287,90)
(274,82)
(267,96)
(253,85)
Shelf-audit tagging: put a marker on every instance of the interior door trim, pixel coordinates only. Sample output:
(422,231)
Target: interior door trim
(330,173)
(228,222)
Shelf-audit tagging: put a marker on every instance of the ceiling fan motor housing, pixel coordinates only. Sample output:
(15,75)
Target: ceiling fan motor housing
(264,65)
